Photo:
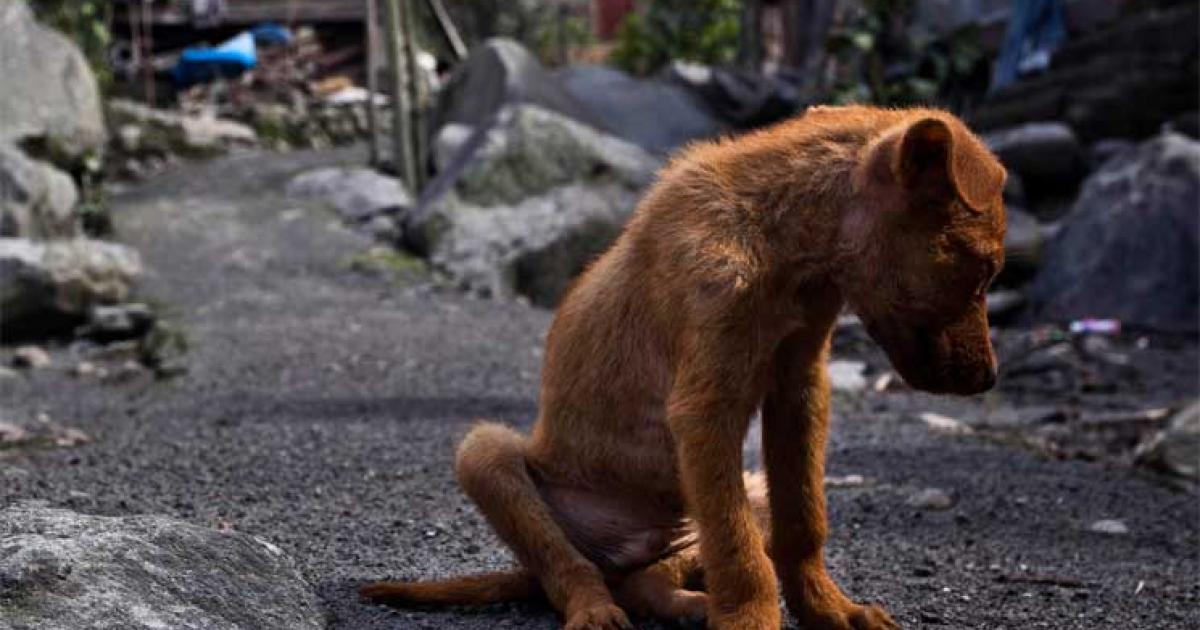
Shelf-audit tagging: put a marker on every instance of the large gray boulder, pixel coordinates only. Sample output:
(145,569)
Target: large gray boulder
(1128,249)
(47,89)
(1046,156)
(64,570)
(501,72)
(47,285)
(655,114)
(36,199)
(528,203)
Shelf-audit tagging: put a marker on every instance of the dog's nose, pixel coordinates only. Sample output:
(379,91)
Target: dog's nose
(989,379)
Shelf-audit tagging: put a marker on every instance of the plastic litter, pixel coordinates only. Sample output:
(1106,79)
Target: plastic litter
(1096,326)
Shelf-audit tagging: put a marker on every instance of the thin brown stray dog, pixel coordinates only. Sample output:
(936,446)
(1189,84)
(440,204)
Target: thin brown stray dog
(719,300)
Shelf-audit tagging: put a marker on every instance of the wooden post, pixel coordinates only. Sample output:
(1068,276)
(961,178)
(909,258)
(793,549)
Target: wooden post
(147,56)
(750,53)
(418,98)
(372,27)
(453,39)
(402,133)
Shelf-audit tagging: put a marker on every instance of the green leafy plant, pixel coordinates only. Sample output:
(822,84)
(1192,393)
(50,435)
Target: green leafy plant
(557,36)
(883,58)
(85,22)
(704,31)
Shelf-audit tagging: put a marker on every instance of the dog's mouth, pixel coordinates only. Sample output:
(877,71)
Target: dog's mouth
(954,359)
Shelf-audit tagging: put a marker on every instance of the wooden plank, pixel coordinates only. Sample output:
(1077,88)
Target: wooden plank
(247,12)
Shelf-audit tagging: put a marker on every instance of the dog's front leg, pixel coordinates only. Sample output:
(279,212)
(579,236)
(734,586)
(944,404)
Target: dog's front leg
(709,411)
(795,429)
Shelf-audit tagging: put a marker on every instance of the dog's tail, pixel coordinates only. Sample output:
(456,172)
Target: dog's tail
(470,590)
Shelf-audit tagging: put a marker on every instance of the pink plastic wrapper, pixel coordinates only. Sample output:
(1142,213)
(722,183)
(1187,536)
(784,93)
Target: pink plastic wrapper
(1096,326)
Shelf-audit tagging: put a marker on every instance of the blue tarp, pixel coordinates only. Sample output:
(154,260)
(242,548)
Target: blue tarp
(230,59)
(271,33)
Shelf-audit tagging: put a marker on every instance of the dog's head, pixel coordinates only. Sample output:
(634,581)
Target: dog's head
(925,238)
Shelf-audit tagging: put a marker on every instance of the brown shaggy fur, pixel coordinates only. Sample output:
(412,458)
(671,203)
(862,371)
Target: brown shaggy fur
(718,300)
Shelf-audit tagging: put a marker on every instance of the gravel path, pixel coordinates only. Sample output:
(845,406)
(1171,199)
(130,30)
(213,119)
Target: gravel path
(322,407)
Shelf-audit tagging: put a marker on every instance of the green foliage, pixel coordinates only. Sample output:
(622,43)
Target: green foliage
(85,22)
(558,35)
(885,60)
(705,31)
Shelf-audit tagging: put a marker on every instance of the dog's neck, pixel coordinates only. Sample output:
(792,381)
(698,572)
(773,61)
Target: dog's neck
(804,195)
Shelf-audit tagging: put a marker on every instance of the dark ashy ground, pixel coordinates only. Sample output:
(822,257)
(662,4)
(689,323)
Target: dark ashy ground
(323,404)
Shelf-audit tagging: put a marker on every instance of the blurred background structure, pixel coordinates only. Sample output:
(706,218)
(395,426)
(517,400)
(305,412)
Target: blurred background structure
(262,261)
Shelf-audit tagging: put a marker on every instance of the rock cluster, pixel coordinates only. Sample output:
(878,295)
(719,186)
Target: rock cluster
(536,197)
(1128,249)
(50,274)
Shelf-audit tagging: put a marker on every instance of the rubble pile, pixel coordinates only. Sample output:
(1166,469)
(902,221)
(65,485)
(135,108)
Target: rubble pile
(292,94)
(58,281)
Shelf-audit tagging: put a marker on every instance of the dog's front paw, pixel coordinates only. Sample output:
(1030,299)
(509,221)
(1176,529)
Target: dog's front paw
(872,618)
(850,617)
(598,617)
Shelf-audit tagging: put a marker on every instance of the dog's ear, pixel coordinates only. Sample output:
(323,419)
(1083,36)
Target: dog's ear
(938,160)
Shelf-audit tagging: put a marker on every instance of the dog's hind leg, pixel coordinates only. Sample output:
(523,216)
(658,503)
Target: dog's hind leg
(493,471)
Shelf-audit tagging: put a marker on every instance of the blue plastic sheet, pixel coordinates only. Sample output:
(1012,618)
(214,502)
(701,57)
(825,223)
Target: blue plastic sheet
(230,59)
(271,33)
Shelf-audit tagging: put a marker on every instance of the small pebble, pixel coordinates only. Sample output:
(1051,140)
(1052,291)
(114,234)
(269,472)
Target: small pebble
(84,368)
(944,424)
(931,499)
(845,482)
(847,376)
(1111,527)
(31,357)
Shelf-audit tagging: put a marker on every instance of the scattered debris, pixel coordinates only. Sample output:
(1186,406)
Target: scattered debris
(162,132)
(1096,326)
(11,434)
(41,433)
